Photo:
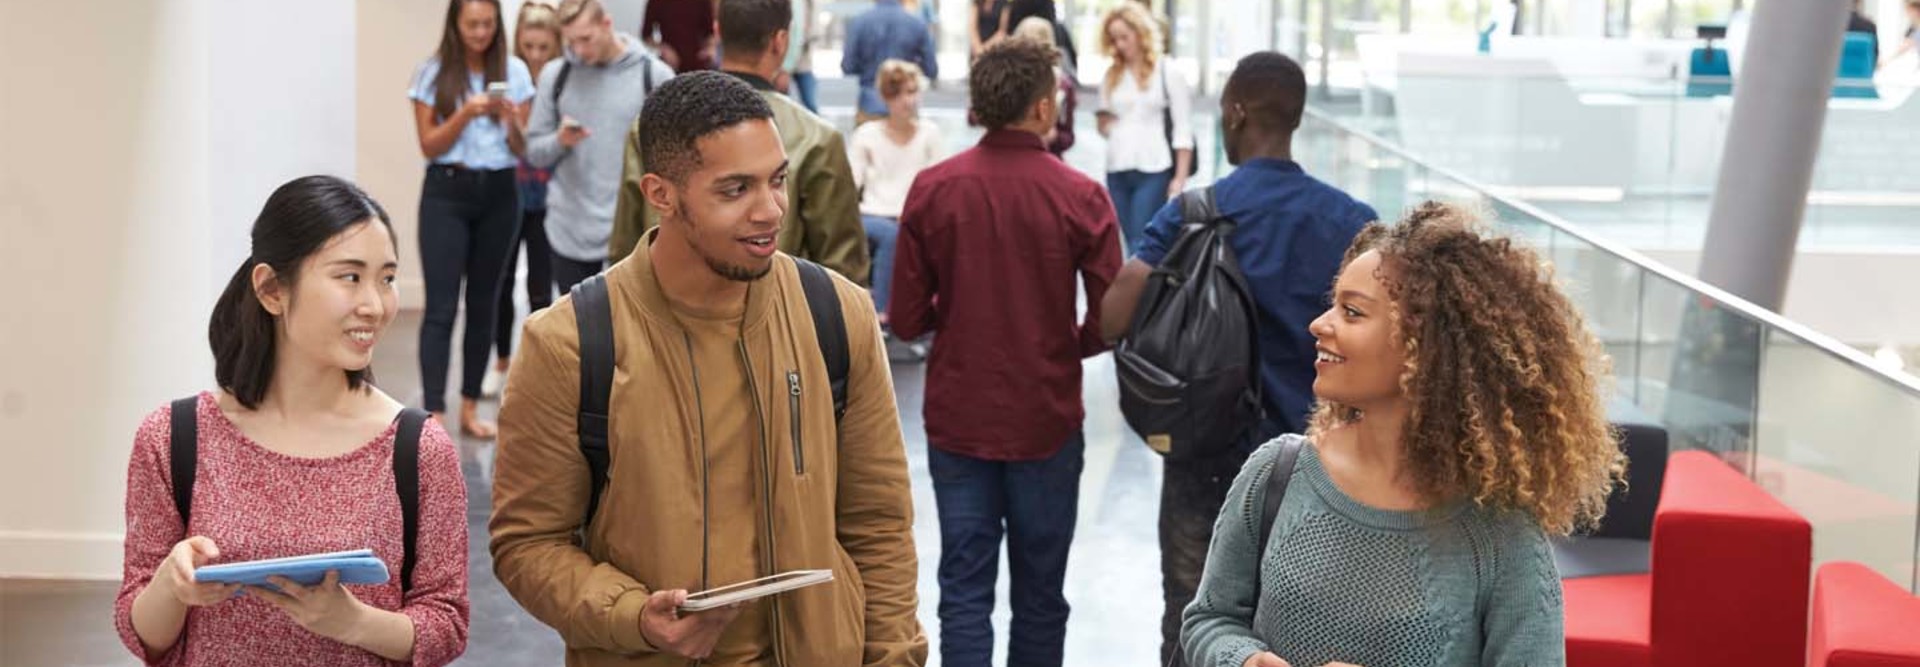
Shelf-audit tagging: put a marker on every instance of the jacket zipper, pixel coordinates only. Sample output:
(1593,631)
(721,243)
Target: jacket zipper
(793,410)
(766,499)
(705,507)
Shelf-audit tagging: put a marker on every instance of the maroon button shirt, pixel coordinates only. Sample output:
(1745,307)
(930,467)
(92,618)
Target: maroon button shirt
(685,25)
(990,241)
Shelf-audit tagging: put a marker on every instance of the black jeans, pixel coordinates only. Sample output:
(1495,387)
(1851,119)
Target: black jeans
(533,231)
(468,223)
(1191,495)
(569,272)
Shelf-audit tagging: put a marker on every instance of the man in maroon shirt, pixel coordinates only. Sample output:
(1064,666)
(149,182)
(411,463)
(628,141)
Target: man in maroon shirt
(685,32)
(990,243)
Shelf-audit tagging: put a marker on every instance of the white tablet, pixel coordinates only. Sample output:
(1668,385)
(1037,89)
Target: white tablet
(757,588)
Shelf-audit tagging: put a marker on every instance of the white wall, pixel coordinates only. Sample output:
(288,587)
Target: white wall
(281,98)
(134,169)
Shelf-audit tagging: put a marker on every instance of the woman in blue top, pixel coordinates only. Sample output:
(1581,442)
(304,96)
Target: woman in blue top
(1460,423)
(536,41)
(468,103)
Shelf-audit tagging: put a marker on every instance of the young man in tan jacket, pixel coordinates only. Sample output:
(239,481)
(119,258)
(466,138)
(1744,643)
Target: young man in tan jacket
(822,222)
(728,461)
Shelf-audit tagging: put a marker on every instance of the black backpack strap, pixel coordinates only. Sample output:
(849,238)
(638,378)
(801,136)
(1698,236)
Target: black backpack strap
(829,325)
(1283,463)
(560,86)
(646,75)
(1198,207)
(406,482)
(184,443)
(593,317)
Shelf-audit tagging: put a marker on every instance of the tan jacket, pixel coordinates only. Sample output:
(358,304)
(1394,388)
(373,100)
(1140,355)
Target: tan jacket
(837,499)
(823,203)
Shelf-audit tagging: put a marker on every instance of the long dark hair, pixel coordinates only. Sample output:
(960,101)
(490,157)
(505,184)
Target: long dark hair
(451,84)
(298,220)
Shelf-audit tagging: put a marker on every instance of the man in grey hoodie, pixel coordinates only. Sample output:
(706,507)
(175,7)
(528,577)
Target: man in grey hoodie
(577,128)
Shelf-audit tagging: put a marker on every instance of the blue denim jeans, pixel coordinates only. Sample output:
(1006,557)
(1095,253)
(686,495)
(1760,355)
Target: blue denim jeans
(805,88)
(1034,504)
(1137,195)
(881,233)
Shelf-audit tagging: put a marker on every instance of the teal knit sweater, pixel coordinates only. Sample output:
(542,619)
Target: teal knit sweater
(1454,586)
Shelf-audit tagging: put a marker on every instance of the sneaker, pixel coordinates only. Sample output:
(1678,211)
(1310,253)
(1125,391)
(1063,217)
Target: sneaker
(495,381)
(904,352)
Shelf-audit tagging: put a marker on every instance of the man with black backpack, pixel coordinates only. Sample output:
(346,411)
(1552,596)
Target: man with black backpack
(586,101)
(706,412)
(1206,379)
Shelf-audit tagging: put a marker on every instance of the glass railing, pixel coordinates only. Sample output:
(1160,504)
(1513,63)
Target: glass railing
(1636,158)
(1818,424)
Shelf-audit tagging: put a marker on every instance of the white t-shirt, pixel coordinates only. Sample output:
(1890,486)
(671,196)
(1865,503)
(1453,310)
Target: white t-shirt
(885,169)
(1138,138)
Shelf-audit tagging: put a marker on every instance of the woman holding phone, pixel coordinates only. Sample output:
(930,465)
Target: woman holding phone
(536,41)
(468,102)
(294,454)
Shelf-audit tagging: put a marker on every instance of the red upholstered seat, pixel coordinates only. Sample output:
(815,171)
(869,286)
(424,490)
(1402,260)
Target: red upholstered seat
(1860,619)
(1728,585)
(1611,628)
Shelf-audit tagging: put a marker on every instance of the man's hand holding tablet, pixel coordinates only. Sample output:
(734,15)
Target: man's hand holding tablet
(690,624)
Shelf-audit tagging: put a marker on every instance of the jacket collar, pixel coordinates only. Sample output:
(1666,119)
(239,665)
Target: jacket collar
(634,278)
(758,82)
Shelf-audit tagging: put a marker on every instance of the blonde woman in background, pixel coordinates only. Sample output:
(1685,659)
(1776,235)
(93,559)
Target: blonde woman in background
(1139,99)
(536,42)
(886,155)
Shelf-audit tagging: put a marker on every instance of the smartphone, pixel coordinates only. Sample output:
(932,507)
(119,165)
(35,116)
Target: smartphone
(497,89)
(569,124)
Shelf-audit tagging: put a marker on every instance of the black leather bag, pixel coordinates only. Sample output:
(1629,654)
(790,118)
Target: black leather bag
(1189,365)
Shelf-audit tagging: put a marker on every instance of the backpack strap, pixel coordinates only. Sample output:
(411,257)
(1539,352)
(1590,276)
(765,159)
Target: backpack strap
(406,482)
(184,443)
(829,325)
(560,86)
(593,317)
(1282,473)
(1198,208)
(646,74)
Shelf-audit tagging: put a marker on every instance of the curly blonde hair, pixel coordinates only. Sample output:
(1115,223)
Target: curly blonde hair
(1503,380)
(894,76)
(1145,29)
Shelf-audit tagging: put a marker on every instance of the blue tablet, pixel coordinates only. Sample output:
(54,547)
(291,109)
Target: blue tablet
(356,567)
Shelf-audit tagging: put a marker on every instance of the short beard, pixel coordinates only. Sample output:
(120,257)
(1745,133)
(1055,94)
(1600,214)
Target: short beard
(733,273)
(737,274)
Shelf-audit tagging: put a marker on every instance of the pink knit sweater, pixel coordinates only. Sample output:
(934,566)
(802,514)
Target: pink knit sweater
(255,503)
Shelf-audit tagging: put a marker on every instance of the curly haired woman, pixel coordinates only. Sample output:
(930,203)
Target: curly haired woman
(1460,423)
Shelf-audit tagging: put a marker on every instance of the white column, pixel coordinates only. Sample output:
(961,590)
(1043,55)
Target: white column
(1773,137)
(134,173)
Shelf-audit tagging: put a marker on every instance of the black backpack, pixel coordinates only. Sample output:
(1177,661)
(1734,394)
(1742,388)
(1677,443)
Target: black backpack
(184,441)
(593,317)
(1189,365)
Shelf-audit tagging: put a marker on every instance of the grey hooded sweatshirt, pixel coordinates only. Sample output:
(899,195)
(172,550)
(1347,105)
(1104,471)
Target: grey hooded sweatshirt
(586,178)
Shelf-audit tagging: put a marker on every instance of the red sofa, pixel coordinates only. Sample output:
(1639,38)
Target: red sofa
(1730,566)
(1860,619)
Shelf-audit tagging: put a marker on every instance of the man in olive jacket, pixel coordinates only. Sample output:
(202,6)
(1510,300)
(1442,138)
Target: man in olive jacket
(728,462)
(823,219)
